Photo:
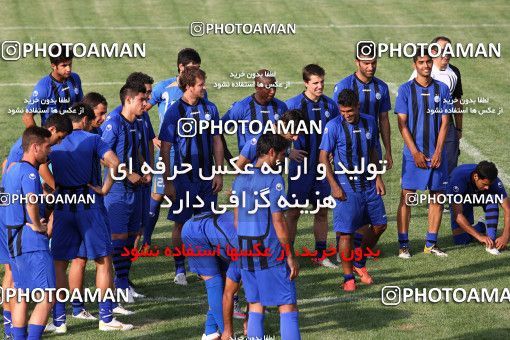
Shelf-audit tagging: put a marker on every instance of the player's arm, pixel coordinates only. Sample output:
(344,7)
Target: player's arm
(502,241)
(419,158)
(379,183)
(336,189)
(242,162)
(46,175)
(282,232)
(28,119)
(4,163)
(33,212)
(384,127)
(218,161)
(231,288)
(457,94)
(466,226)
(436,157)
(111,160)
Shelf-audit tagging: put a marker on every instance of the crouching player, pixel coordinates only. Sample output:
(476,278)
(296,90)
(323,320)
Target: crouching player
(267,280)
(26,234)
(479,180)
(351,138)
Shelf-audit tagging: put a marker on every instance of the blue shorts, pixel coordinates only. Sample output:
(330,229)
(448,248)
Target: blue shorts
(83,234)
(359,209)
(234,271)
(124,209)
(34,270)
(183,187)
(269,287)
(82,251)
(307,187)
(414,178)
(158,183)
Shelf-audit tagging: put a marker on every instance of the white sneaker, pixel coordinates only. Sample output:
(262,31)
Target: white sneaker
(130,298)
(404,253)
(327,263)
(84,315)
(338,258)
(180,279)
(212,336)
(493,251)
(238,312)
(114,325)
(121,310)
(51,328)
(135,294)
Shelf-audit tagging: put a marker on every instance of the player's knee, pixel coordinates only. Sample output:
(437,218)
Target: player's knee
(123,236)
(379,229)
(287,308)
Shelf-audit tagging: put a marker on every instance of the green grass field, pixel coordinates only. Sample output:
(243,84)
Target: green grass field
(326,34)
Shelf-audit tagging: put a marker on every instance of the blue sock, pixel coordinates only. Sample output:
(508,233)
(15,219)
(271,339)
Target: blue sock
(431,239)
(214,288)
(19,333)
(130,244)
(153,219)
(179,264)
(491,218)
(7,322)
(59,313)
(35,332)
(358,238)
(105,311)
(120,264)
(255,325)
(210,323)
(289,326)
(403,239)
(348,277)
(480,227)
(320,246)
(78,306)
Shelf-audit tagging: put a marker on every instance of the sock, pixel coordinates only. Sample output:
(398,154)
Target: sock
(358,238)
(320,246)
(179,264)
(59,313)
(480,227)
(105,311)
(35,331)
(19,333)
(7,322)
(130,243)
(289,326)
(403,239)
(210,323)
(120,264)
(348,277)
(153,219)
(337,241)
(255,325)
(431,239)
(491,218)
(214,288)
(78,306)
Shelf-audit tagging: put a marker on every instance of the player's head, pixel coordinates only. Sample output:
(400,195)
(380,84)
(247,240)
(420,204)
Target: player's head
(366,64)
(271,149)
(61,59)
(422,63)
(265,85)
(348,103)
(81,116)
(442,41)
(187,57)
(36,143)
(100,106)
(313,76)
(192,81)
(291,119)
(59,126)
(484,175)
(133,98)
(143,78)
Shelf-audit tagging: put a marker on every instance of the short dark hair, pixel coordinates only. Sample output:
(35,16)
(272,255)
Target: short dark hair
(80,110)
(186,56)
(140,77)
(421,52)
(131,89)
(60,54)
(441,37)
(313,70)
(292,115)
(348,98)
(94,99)
(487,170)
(34,135)
(61,122)
(270,141)
(359,49)
(189,77)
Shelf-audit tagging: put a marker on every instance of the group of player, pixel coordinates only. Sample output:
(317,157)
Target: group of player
(74,151)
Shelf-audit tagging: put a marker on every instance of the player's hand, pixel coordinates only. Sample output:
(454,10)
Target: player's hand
(227,335)
(297,155)
(134,178)
(217,183)
(170,191)
(389,160)
(420,160)
(502,242)
(380,188)
(42,228)
(338,193)
(436,160)
(97,189)
(489,243)
(459,134)
(147,178)
(157,142)
(293,265)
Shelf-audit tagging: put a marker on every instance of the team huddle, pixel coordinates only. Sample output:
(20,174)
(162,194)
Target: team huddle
(78,150)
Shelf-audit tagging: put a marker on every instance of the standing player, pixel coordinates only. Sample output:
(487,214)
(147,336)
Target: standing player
(165,93)
(316,107)
(479,179)
(261,106)
(268,281)
(374,98)
(26,234)
(201,149)
(55,92)
(423,109)
(352,140)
